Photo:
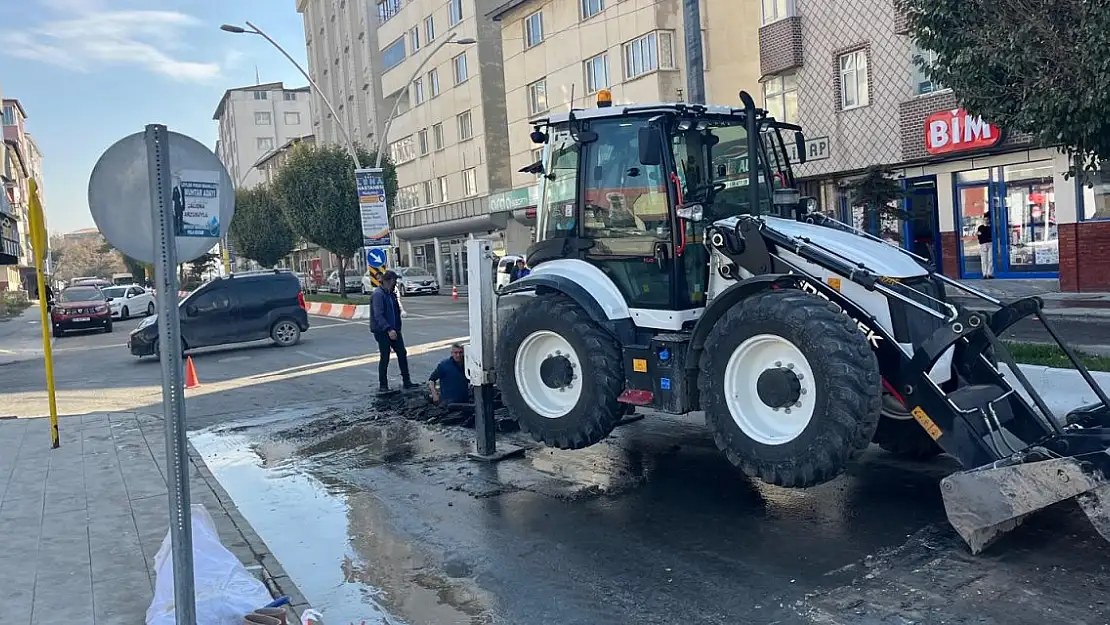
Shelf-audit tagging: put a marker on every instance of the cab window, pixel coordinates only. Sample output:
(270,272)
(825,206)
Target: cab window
(560,190)
(211,302)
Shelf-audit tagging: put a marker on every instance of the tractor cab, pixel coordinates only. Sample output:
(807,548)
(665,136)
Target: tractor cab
(630,189)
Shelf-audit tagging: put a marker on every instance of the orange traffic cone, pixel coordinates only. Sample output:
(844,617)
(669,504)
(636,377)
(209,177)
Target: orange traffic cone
(455,292)
(191,380)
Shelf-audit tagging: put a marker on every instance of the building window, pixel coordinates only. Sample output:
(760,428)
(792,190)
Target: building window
(922,84)
(289,96)
(265,144)
(537,96)
(459,63)
(414,39)
(292,118)
(418,91)
(466,129)
(597,73)
(437,136)
(387,9)
(261,95)
(429,192)
(774,10)
(470,182)
(393,54)
(651,52)
(591,8)
(408,198)
(262,119)
(443,189)
(429,28)
(9,115)
(433,82)
(854,87)
(780,98)
(422,141)
(537,157)
(1096,194)
(533,29)
(402,151)
(454,12)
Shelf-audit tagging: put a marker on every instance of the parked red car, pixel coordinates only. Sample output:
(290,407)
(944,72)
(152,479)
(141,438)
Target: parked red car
(80,308)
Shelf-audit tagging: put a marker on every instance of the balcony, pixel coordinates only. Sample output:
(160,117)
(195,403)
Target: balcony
(9,251)
(780,46)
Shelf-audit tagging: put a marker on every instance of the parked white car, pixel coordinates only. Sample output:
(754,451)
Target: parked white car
(504,271)
(352,280)
(129,300)
(410,281)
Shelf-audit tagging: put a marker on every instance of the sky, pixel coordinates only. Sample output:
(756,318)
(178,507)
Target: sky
(91,72)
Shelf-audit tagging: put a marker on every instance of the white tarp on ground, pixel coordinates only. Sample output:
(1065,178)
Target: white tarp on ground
(225,590)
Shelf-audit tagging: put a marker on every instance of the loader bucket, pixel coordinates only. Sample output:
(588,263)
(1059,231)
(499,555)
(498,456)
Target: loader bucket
(984,503)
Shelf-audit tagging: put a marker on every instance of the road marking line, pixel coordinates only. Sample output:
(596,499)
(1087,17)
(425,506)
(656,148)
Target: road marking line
(312,356)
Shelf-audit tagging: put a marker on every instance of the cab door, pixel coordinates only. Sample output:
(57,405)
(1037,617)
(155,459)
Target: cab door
(625,209)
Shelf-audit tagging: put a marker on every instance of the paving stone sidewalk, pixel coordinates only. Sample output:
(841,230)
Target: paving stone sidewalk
(79,525)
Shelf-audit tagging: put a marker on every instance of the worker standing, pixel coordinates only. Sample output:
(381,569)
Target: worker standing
(385,325)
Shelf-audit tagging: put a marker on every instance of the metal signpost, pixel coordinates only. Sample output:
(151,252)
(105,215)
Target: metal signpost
(372,208)
(172,187)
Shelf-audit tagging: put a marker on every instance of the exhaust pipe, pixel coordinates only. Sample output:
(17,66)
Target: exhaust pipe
(983,504)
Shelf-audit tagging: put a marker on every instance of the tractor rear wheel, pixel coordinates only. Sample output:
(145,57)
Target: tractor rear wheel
(899,433)
(791,389)
(560,373)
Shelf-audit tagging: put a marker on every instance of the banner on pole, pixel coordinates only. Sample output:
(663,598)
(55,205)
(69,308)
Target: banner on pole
(372,206)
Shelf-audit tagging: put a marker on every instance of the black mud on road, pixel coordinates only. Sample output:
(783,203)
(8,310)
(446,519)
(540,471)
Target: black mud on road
(654,526)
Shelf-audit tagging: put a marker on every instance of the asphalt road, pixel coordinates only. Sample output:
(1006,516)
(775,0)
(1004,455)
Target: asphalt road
(373,514)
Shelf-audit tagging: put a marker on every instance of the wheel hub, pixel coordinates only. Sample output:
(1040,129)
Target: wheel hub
(779,387)
(556,371)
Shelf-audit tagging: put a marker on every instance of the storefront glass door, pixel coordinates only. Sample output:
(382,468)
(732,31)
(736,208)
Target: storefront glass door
(921,225)
(1017,204)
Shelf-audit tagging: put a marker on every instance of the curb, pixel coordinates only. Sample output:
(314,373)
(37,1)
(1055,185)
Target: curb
(1091,315)
(274,577)
(339,311)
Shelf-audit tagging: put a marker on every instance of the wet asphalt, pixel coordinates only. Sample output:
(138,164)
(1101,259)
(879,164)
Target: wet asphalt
(650,526)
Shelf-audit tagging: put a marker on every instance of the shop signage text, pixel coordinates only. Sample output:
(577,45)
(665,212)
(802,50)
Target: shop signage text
(514,199)
(958,131)
(817,149)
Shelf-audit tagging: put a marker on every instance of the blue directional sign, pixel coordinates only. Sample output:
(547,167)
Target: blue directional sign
(375,257)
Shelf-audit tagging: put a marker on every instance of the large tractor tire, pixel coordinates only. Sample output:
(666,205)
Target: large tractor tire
(560,373)
(790,387)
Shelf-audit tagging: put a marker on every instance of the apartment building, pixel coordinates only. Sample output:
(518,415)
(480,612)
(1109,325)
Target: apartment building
(441,66)
(341,39)
(255,120)
(849,77)
(560,53)
(22,162)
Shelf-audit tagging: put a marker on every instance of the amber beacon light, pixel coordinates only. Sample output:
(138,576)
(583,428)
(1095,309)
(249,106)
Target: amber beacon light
(604,98)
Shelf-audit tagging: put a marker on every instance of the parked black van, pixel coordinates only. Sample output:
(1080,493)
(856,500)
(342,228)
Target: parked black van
(241,307)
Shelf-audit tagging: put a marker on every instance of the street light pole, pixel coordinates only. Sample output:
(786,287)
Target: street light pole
(397,101)
(254,30)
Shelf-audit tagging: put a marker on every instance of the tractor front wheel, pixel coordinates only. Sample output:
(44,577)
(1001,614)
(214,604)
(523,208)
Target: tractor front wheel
(560,373)
(791,389)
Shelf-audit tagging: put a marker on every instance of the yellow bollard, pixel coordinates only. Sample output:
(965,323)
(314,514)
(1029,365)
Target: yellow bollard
(39,241)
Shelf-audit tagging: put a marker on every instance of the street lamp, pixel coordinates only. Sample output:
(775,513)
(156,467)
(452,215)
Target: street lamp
(465,41)
(251,29)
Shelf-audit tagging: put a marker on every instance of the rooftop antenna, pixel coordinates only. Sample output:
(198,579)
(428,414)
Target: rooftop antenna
(257,80)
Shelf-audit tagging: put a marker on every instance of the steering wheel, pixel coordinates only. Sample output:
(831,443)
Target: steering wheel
(712,188)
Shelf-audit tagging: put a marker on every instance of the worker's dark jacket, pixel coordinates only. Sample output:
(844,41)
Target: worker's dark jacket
(385,311)
(454,388)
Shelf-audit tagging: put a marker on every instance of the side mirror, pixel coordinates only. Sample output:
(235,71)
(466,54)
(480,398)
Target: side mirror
(800,146)
(651,146)
(691,212)
(191,310)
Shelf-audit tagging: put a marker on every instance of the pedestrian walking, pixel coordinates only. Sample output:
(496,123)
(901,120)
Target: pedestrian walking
(986,247)
(385,325)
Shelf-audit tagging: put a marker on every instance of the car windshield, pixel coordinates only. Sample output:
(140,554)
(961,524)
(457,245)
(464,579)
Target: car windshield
(114,291)
(416,272)
(81,295)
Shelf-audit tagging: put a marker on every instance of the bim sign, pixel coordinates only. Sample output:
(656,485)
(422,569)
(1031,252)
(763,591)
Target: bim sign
(957,131)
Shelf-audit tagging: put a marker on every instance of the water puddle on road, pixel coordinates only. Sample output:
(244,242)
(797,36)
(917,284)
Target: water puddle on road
(335,541)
